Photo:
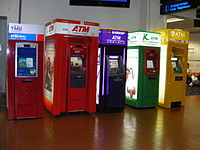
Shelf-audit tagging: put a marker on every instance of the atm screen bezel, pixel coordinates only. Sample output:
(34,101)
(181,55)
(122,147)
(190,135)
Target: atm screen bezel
(24,45)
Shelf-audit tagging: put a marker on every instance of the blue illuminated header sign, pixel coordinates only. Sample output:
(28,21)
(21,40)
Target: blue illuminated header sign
(178,6)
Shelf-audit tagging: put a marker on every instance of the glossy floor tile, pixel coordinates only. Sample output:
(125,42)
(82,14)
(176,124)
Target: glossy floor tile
(133,129)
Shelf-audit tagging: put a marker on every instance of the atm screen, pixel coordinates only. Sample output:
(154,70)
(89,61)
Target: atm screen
(76,61)
(176,65)
(113,63)
(26,62)
(150,64)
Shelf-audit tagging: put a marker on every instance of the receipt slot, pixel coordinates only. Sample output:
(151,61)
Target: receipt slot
(142,72)
(25,72)
(173,67)
(71,49)
(111,70)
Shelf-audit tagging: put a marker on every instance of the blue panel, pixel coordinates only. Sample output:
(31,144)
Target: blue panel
(20,36)
(26,62)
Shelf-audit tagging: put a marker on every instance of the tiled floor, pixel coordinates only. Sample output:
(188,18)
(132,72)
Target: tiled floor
(134,129)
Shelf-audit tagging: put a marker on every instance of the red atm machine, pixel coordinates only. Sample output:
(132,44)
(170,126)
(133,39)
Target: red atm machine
(71,49)
(25,71)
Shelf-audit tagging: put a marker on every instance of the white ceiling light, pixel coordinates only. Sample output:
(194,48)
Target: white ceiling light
(174,20)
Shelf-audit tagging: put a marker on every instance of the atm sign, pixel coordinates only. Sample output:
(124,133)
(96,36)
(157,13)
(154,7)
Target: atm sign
(83,29)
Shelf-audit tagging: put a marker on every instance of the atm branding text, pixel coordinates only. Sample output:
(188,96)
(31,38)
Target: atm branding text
(81,29)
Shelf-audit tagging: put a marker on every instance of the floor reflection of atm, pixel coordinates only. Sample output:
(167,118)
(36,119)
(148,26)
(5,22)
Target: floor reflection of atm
(142,73)
(71,49)
(111,70)
(173,67)
(24,80)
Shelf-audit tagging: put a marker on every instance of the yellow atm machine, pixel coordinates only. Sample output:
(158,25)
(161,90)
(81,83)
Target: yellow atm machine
(173,67)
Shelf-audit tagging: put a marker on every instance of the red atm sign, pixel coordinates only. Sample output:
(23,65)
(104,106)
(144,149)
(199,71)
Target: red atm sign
(72,29)
(81,29)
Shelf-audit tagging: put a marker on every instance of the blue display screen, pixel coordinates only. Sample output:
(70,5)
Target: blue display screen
(175,7)
(108,3)
(26,62)
(114,0)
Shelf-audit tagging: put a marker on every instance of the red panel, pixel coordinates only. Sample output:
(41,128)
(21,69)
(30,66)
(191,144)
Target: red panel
(66,98)
(153,55)
(25,92)
(40,37)
(73,22)
(76,97)
(22,99)
(10,80)
(92,65)
(64,21)
(91,23)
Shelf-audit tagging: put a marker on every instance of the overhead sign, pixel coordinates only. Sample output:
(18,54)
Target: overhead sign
(172,35)
(113,37)
(25,32)
(72,28)
(177,6)
(142,38)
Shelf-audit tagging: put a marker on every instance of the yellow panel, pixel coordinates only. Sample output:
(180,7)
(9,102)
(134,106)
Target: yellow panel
(175,62)
(175,36)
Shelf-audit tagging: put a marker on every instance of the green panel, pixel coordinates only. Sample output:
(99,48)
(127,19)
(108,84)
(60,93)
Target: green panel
(147,89)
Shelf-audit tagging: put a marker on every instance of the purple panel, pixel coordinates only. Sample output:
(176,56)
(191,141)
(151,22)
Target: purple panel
(113,37)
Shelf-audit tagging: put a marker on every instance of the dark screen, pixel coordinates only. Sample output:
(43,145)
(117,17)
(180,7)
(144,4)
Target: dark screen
(109,3)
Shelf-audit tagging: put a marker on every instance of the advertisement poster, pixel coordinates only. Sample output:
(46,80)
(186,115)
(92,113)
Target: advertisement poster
(49,71)
(132,73)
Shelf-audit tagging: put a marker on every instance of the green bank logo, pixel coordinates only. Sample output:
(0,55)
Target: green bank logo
(145,37)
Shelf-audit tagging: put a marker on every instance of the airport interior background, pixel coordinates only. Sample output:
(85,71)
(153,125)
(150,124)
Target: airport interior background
(140,129)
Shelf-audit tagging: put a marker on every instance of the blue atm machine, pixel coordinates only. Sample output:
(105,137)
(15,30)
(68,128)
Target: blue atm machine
(111,70)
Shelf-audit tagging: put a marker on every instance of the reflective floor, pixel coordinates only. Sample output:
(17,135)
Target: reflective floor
(134,129)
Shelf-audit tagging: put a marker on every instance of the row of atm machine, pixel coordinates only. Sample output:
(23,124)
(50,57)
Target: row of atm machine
(78,71)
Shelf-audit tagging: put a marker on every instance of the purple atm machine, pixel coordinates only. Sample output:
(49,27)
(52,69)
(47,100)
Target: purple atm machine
(111,71)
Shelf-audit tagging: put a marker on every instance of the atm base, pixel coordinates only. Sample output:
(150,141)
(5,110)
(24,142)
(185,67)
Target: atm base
(176,104)
(109,110)
(136,105)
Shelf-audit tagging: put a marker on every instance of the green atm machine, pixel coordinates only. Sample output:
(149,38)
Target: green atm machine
(142,74)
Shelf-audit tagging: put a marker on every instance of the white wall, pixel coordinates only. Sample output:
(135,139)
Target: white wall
(194,58)
(10,9)
(156,21)
(43,11)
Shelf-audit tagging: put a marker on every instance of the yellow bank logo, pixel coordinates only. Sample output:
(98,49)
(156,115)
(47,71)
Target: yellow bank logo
(178,34)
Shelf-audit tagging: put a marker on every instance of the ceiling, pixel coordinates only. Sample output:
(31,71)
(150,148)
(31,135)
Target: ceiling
(187,24)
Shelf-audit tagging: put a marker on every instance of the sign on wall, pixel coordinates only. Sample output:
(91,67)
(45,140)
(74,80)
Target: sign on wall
(177,6)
